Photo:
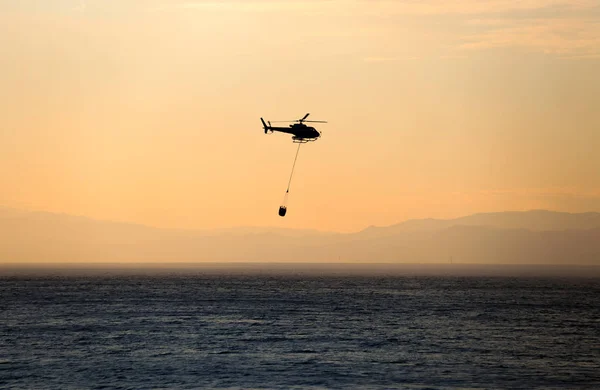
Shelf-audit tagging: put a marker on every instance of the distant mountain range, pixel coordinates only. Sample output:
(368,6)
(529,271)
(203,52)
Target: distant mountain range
(531,237)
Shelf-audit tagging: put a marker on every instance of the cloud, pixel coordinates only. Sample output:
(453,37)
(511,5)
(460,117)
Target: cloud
(564,28)
(253,5)
(471,7)
(563,37)
(385,7)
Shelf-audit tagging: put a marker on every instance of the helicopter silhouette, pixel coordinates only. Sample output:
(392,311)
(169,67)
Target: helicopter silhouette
(301,133)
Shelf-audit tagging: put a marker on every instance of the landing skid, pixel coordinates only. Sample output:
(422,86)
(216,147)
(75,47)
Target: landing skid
(303,140)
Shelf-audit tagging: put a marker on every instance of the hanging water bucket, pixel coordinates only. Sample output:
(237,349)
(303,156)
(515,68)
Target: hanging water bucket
(282,211)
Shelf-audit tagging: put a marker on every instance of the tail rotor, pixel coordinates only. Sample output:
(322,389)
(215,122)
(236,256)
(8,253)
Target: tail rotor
(265,127)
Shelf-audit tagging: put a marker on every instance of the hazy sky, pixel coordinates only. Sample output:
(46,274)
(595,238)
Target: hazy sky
(148,110)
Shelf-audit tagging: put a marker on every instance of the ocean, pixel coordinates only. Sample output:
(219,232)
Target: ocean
(211,331)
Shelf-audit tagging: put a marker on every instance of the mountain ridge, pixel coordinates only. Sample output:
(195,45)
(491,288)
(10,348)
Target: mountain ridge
(590,220)
(536,237)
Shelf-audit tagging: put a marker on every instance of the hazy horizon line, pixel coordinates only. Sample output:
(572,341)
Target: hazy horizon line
(124,222)
(291,269)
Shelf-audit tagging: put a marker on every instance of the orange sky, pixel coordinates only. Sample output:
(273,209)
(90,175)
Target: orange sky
(148,111)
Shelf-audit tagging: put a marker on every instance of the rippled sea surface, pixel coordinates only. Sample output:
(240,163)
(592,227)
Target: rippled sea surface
(299,332)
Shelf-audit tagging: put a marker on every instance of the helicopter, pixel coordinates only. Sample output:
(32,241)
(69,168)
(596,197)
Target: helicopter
(301,133)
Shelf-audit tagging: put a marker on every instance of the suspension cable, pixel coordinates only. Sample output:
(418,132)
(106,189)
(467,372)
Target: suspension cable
(293,167)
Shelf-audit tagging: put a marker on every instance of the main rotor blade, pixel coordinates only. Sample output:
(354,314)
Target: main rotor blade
(282,121)
(316,121)
(305,116)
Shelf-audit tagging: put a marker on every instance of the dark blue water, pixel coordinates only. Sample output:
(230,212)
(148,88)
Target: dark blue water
(284,332)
